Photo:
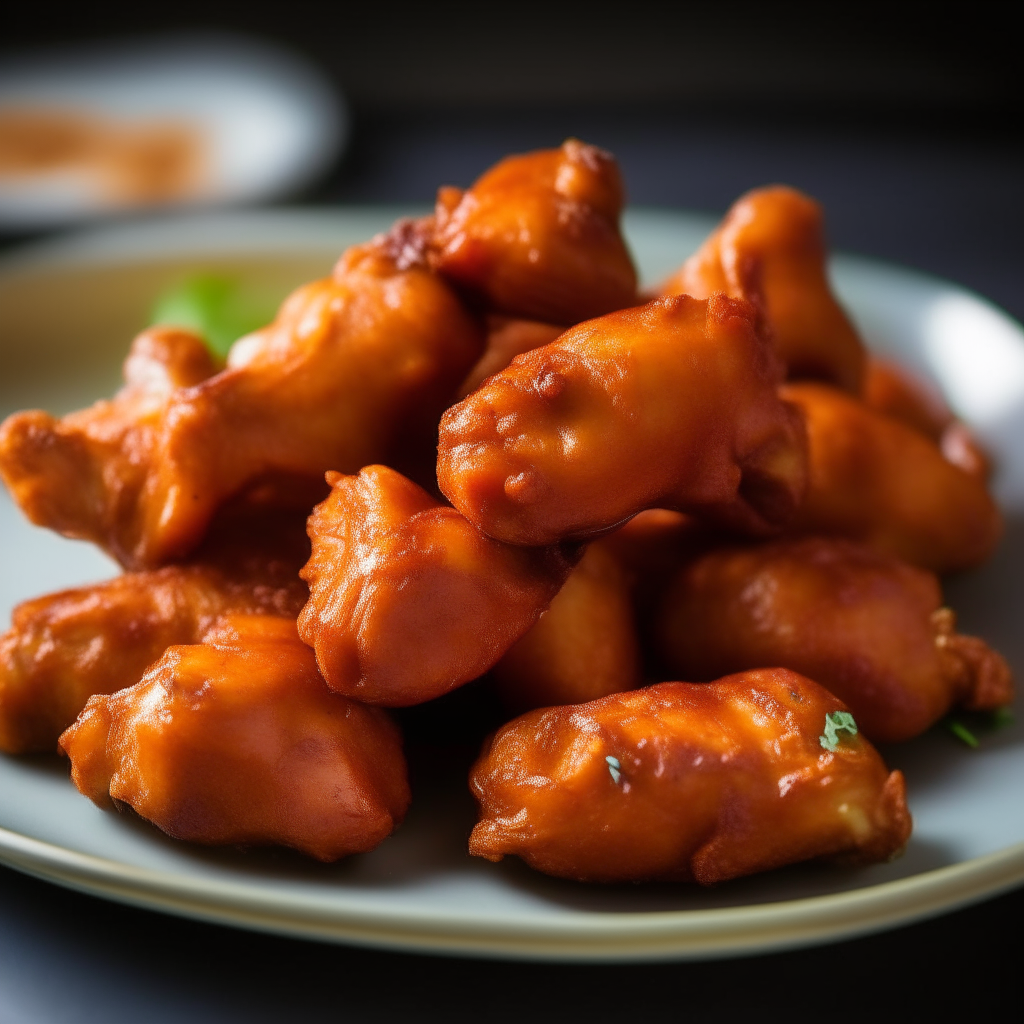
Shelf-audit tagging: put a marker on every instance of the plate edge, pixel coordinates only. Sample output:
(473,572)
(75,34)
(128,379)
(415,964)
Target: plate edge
(653,935)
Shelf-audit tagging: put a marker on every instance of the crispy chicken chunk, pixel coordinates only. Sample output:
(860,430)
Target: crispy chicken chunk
(867,627)
(683,781)
(65,647)
(874,479)
(583,647)
(356,368)
(408,600)
(669,405)
(893,390)
(85,475)
(651,547)
(538,236)
(238,741)
(506,339)
(770,249)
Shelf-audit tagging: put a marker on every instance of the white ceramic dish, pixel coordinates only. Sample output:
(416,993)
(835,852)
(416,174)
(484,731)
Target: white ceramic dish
(266,123)
(67,310)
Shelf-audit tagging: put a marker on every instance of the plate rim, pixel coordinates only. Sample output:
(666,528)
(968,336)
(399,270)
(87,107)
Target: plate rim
(593,936)
(590,936)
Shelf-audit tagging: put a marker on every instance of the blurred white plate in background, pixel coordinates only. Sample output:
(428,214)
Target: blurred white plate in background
(204,119)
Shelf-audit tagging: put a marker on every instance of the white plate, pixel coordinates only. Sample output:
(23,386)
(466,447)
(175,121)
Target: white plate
(67,310)
(266,122)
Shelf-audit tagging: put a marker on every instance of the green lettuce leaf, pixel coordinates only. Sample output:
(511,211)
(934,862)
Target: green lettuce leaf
(218,308)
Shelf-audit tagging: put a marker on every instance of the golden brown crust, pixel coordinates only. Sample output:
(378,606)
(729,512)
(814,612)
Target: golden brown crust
(408,600)
(583,647)
(669,405)
(537,236)
(876,480)
(65,647)
(982,676)
(682,781)
(863,625)
(770,249)
(238,741)
(84,475)
(893,390)
(506,339)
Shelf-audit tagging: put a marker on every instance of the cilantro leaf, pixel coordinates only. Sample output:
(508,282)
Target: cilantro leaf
(836,722)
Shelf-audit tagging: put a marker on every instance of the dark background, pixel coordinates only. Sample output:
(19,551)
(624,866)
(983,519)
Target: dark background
(904,122)
(905,125)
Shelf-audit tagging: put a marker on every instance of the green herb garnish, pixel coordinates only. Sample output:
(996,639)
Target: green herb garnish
(218,308)
(961,732)
(971,727)
(836,722)
(613,768)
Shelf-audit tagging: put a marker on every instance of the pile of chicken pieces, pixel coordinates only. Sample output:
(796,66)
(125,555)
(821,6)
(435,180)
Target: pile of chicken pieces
(539,479)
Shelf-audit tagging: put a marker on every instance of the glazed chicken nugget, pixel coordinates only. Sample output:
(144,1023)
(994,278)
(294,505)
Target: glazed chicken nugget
(892,390)
(238,741)
(770,248)
(867,627)
(353,366)
(688,781)
(84,475)
(408,600)
(538,236)
(583,647)
(590,642)
(879,481)
(669,405)
(65,647)
(651,547)
(506,339)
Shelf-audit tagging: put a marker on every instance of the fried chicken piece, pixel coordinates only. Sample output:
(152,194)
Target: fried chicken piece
(591,641)
(356,368)
(538,236)
(891,389)
(770,249)
(84,475)
(506,339)
(688,782)
(238,741)
(867,627)
(408,600)
(651,547)
(669,405)
(65,647)
(583,647)
(876,480)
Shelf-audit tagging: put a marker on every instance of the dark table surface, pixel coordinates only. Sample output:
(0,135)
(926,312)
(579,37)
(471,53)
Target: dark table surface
(943,196)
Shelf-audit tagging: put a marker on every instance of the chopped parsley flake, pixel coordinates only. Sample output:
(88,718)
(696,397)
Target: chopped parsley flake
(836,722)
(961,732)
(613,768)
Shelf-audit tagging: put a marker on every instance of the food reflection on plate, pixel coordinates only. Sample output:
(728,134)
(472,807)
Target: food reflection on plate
(95,129)
(691,538)
(118,163)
